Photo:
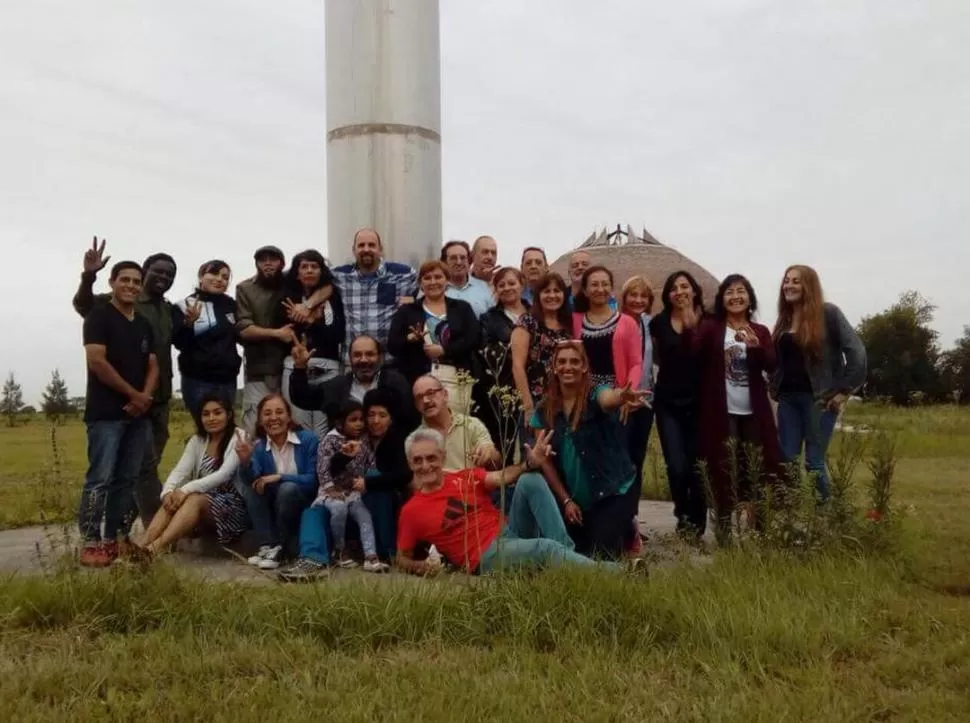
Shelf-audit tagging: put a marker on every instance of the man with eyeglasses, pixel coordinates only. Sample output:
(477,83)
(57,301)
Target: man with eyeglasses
(467,441)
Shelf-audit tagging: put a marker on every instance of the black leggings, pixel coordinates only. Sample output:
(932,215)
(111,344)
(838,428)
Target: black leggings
(606,525)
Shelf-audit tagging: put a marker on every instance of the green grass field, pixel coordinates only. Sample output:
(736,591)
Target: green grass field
(756,635)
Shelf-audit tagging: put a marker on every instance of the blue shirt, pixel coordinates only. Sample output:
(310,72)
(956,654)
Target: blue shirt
(370,300)
(476,292)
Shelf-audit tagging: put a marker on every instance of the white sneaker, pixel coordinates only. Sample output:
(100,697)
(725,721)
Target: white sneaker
(260,554)
(347,563)
(271,560)
(375,566)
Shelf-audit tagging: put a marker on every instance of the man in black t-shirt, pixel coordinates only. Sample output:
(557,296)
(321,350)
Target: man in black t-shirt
(122,376)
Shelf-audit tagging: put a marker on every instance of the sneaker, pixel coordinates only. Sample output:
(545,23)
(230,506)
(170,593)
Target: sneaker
(375,565)
(128,551)
(637,567)
(263,551)
(304,570)
(345,561)
(98,554)
(272,559)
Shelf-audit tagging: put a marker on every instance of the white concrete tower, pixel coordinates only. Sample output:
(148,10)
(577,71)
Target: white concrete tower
(384,126)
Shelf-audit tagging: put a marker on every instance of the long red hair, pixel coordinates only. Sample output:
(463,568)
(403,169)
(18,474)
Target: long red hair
(552,403)
(810,333)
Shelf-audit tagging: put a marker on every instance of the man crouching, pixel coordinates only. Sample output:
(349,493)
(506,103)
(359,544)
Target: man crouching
(454,512)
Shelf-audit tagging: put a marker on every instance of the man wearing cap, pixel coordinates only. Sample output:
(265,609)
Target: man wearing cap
(265,344)
(372,289)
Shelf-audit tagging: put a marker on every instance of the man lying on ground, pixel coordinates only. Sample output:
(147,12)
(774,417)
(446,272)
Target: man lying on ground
(454,512)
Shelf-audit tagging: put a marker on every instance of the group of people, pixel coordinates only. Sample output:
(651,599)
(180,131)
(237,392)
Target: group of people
(495,416)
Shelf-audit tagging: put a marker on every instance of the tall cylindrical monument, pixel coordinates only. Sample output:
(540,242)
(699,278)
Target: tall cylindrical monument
(384,126)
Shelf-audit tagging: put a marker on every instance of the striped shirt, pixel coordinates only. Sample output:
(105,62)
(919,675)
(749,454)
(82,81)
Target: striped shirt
(370,300)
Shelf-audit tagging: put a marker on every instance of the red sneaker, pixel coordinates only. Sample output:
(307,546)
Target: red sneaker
(98,554)
(634,545)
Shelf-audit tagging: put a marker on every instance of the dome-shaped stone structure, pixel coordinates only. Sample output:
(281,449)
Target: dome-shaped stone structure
(626,254)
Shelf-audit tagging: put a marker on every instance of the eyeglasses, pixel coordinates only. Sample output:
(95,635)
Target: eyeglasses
(430,393)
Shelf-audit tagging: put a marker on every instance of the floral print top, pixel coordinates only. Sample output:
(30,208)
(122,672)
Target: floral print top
(542,343)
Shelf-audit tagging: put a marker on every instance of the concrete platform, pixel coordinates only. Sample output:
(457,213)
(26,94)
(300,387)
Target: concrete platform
(34,550)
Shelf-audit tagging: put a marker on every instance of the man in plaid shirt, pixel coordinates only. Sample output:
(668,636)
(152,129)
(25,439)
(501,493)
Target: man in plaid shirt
(372,289)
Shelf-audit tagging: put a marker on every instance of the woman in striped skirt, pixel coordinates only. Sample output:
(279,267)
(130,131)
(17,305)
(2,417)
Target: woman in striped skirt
(199,493)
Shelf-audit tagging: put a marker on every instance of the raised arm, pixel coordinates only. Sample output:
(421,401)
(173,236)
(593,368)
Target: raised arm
(536,456)
(519,346)
(94,261)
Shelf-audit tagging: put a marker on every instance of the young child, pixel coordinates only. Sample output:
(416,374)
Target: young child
(342,484)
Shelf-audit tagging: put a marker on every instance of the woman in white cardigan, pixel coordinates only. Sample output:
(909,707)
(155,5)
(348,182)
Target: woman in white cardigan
(199,492)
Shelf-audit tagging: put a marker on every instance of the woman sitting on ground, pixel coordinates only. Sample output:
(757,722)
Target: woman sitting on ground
(737,427)
(384,491)
(277,479)
(200,492)
(437,335)
(495,389)
(590,472)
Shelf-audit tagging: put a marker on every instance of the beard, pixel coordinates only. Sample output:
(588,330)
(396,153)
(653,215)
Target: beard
(269,282)
(364,371)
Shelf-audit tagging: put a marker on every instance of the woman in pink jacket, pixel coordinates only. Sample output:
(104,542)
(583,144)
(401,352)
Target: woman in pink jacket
(612,340)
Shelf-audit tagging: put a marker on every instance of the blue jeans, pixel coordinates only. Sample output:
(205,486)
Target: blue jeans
(116,451)
(679,432)
(340,510)
(535,535)
(315,534)
(275,514)
(383,511)
(194,390)
(802,421)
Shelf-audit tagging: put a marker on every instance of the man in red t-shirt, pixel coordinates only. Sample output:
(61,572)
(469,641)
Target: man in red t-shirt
(455,513)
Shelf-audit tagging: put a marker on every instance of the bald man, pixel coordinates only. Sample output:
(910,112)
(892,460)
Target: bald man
(372,289)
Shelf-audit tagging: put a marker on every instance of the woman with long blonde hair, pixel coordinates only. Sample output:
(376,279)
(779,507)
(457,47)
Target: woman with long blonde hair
(821,361)
(590,471)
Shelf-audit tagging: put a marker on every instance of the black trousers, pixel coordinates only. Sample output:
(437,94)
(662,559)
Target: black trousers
(606,525)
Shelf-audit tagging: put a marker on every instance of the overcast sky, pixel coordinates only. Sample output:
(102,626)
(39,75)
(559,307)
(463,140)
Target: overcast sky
(748,134)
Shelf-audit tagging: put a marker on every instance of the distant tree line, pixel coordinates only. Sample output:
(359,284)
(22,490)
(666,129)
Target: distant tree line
(906,364)
(57,405)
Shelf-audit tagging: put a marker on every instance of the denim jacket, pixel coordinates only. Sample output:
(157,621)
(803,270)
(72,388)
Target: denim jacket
(600,441)
(842,367)
(304,454)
